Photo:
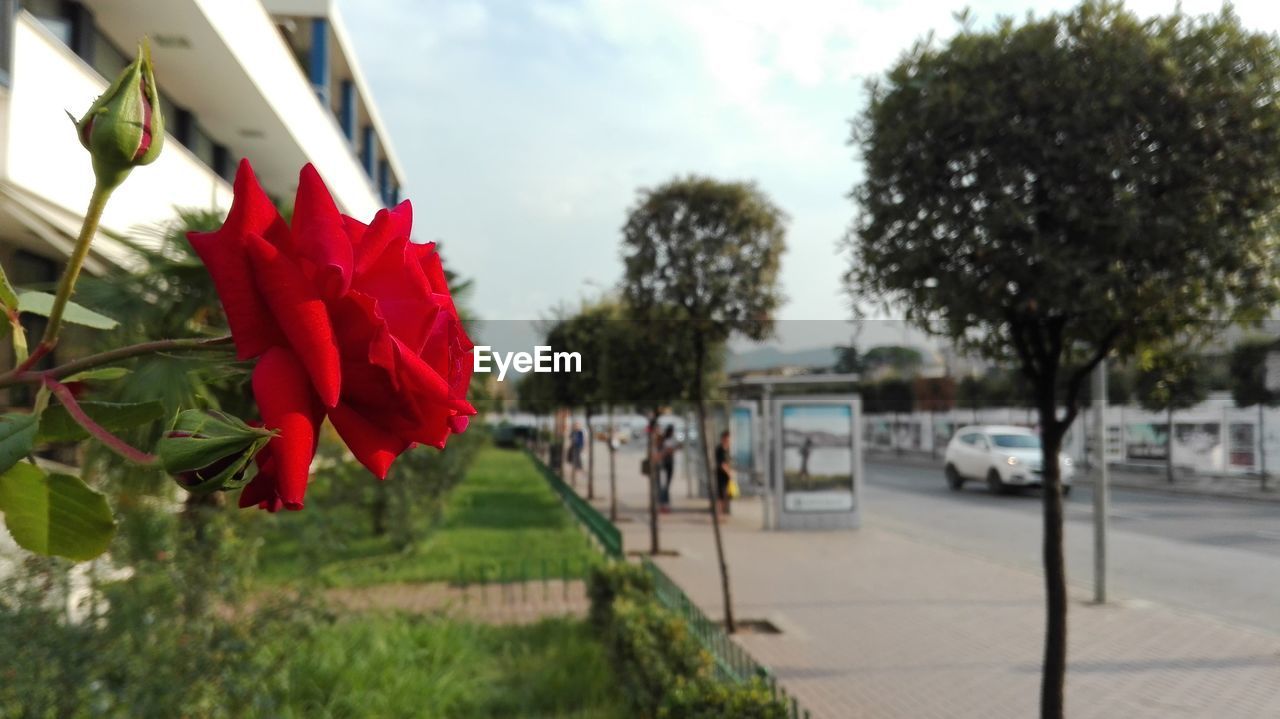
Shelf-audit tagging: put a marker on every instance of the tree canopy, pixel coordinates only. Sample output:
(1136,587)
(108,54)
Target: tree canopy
(1080,182)
(708,251)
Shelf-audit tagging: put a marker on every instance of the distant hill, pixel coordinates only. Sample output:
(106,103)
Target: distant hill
(770,357)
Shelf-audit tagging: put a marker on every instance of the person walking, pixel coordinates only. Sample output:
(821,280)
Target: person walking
(668,455)
(577,442)
(724,473)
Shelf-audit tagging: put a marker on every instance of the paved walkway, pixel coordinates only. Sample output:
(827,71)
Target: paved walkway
(879,623)
(494,603)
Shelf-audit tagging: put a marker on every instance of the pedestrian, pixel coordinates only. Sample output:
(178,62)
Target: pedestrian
(577,441)
(668,455)
(724,474)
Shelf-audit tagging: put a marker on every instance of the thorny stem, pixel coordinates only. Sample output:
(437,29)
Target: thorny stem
(22,375)
(114,443)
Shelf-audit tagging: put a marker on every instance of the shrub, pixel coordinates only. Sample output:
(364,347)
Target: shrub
(712,700)
(652,651)
(609,581)
(663,669)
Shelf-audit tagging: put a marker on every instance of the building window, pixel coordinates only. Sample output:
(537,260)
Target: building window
(368,149)
(194,138)
(104,56)
(57,16)
(222,163)
(8,8)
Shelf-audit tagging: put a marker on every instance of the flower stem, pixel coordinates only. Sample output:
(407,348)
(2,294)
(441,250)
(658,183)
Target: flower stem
(21,375)
(67,285)
(102,434)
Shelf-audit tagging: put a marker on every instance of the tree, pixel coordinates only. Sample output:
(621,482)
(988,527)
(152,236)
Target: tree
(1168,379)
(534,395)
(848,360)
(1049,192)
(587,333)
(647,367)
(1248,364)
(897,359)
(710,252)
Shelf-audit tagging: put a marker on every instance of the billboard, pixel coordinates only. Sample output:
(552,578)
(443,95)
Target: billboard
(817,457)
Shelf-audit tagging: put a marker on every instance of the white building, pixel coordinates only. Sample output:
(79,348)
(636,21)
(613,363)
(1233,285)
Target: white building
(271,80)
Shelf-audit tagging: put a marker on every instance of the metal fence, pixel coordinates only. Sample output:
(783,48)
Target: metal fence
(732,661)
(596,524)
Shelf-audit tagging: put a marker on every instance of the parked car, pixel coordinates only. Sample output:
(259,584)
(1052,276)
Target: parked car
(1003,457)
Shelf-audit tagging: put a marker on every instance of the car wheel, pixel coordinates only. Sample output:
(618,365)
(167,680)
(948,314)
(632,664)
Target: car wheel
(954,480)
(994,483)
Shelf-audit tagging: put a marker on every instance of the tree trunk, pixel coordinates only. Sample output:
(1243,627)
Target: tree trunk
(712,493)
(1168,445)
(1053,679)
(613,472)
(1262,446)
(591,459)
(650,438)
(378,509)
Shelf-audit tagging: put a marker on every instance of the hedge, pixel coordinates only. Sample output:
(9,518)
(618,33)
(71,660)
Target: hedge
(663,669)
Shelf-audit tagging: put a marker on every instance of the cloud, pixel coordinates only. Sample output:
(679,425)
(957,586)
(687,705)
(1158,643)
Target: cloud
(526,127)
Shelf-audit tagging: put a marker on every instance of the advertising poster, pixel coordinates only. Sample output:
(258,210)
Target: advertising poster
(1145,441)
(742,440)
(1197,444)
(1240,445)
(817,457)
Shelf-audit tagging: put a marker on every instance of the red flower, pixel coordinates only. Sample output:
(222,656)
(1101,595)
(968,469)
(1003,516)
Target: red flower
(351,321)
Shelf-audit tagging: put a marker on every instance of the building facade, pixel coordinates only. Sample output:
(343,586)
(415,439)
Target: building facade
(275,81)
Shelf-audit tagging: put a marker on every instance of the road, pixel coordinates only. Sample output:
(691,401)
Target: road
(1214,556)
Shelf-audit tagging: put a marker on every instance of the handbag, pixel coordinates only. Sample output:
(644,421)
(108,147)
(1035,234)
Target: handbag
(732,490)
(644,466)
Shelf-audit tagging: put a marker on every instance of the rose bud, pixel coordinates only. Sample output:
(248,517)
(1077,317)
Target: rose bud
(210,451)
(124,127)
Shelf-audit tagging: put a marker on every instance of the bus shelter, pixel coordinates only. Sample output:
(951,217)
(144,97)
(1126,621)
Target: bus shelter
(800,438)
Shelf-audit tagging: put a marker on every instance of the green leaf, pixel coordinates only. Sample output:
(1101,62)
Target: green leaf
(41,303)
(102,373)
(207,451)
(57,425)
(17,437)
(55,514)
(8,297)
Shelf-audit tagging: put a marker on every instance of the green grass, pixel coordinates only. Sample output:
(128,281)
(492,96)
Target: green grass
(434,668)
(502,520)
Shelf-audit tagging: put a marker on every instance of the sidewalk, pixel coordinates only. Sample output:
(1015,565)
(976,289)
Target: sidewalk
(878,623)
(1145,478)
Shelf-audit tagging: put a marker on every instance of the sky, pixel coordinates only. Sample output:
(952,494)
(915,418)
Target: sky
(526,127)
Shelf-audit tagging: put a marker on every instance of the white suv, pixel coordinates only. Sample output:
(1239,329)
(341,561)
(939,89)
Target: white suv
(1004,457)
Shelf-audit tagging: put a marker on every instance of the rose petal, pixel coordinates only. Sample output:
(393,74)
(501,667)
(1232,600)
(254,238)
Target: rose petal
(224,254)
(389,227)
(301,314)
(321,233)
(373,446)
(289,405)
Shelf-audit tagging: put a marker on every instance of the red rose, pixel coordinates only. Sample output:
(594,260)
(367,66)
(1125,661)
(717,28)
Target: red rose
(351,321)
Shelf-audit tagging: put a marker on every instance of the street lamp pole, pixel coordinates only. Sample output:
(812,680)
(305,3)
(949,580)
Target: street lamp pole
(1101,500)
